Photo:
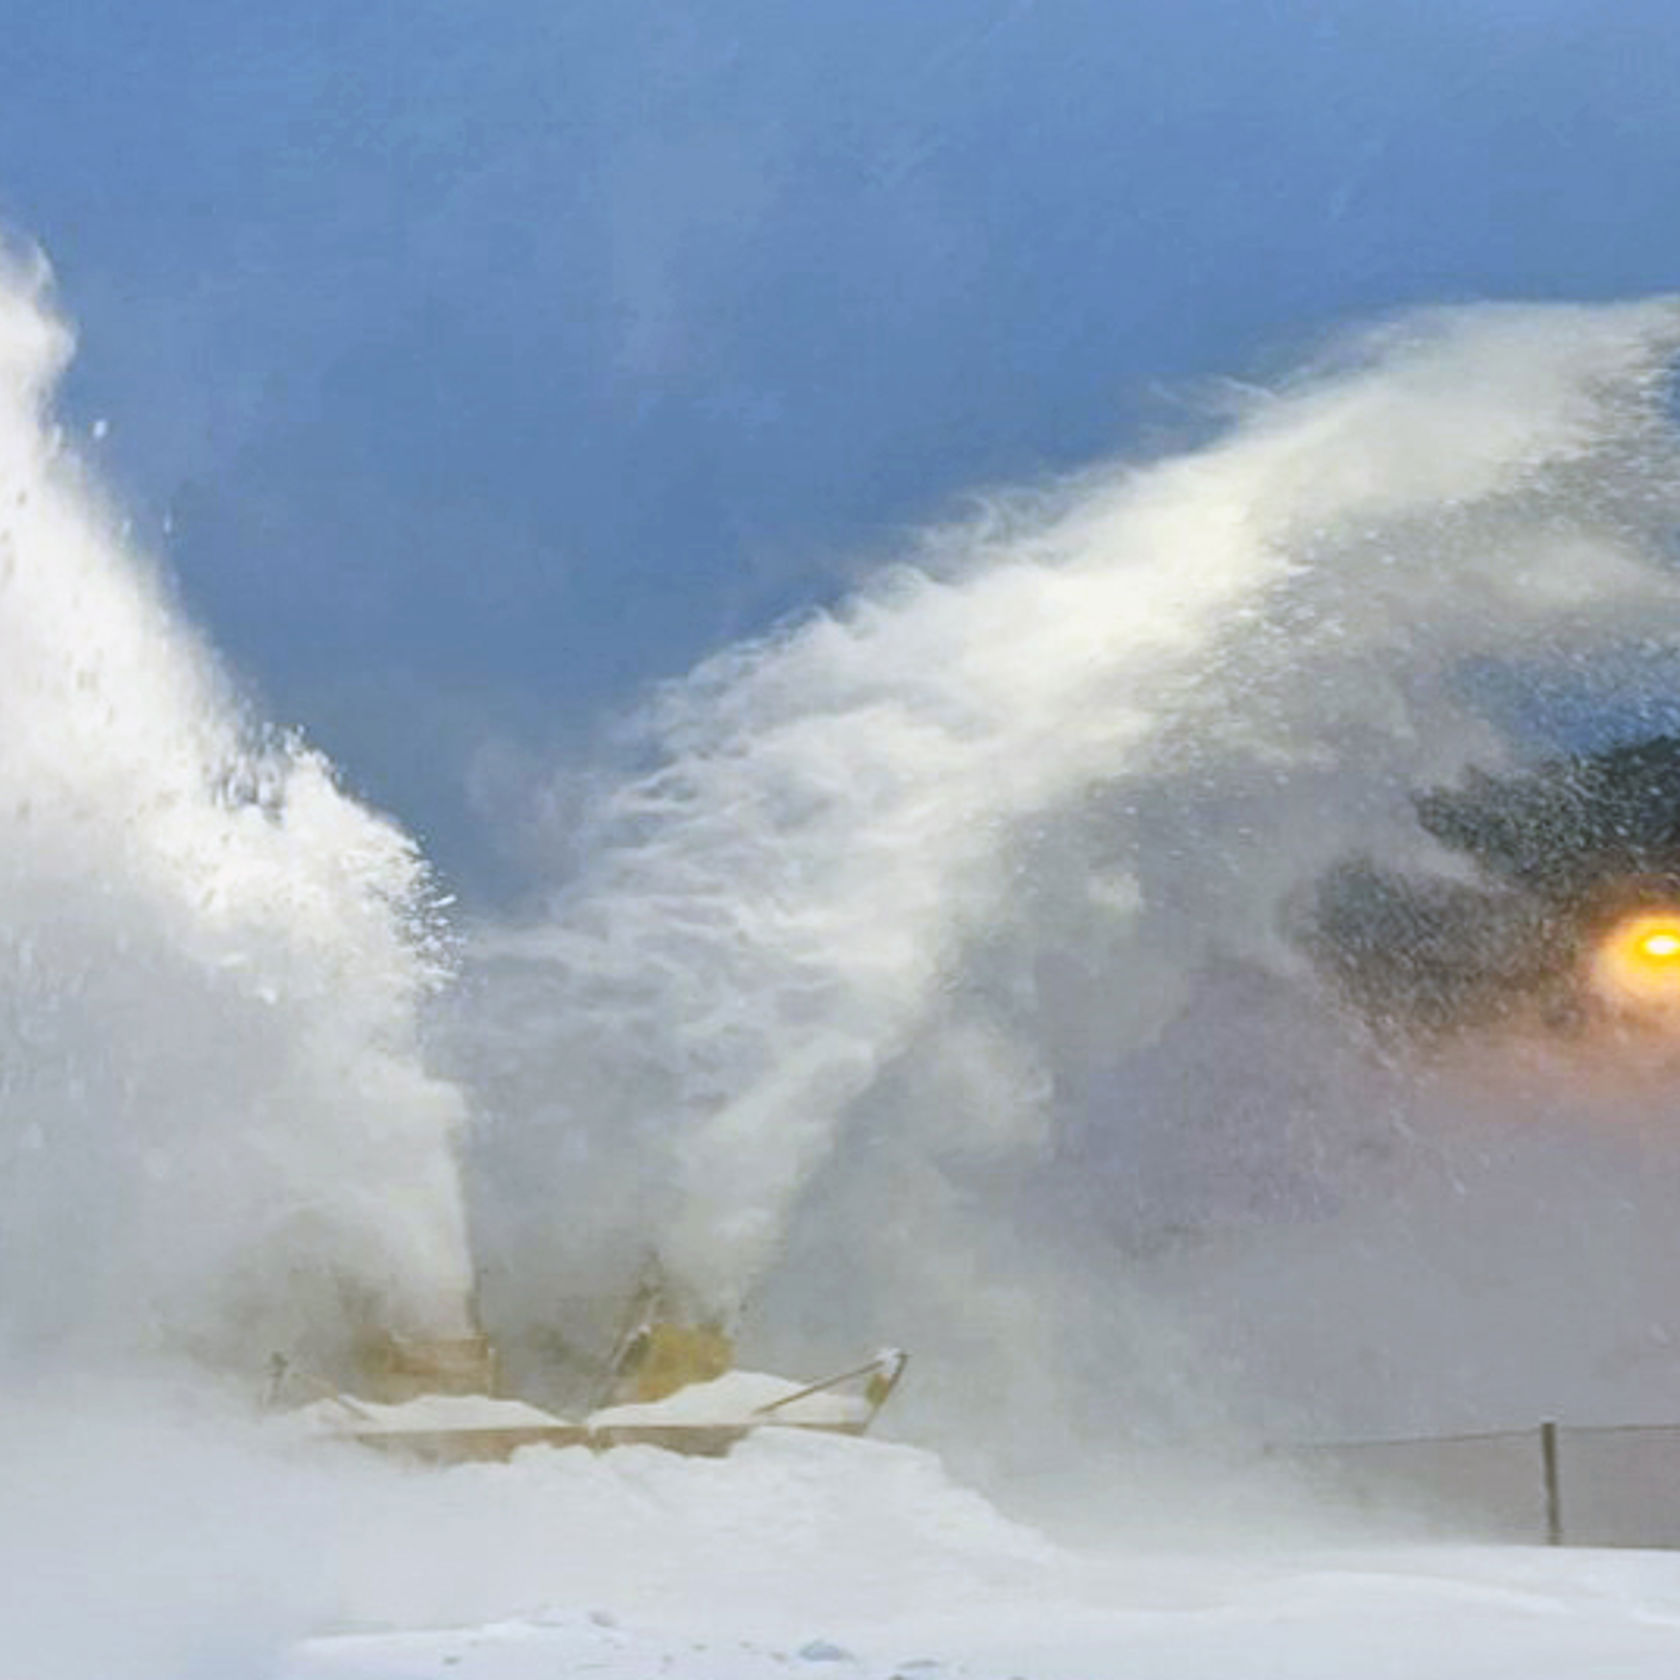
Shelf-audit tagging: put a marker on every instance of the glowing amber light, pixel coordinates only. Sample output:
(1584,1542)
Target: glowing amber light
(1639,961)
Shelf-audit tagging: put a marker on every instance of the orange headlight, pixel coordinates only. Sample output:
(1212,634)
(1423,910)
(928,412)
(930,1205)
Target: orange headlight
(1638,961)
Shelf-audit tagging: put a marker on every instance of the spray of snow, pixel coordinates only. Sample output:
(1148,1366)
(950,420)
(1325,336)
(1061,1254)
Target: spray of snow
(923,972)
(928,953)
(215,1128)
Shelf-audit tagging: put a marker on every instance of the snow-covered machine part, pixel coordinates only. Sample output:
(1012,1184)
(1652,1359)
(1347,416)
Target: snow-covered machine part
(710,1417)
(438,1428)
(393,1368)
(704,1418)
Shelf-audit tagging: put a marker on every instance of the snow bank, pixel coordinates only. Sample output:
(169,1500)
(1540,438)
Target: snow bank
(153,1535)
(790,1524)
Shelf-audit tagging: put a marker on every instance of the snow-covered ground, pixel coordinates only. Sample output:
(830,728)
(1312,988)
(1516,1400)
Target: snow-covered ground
(151,1534)
(1436,1615)
(815,1557)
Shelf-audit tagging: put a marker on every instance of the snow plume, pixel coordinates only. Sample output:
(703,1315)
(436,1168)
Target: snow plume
(215,1129)
(933,952)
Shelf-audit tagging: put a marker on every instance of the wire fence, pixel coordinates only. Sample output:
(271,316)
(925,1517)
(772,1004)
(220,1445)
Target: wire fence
(1554,1484)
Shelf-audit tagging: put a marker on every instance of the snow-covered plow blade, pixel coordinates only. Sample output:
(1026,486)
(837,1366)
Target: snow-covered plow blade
(705,1418)
(439,1428)
(711,1417)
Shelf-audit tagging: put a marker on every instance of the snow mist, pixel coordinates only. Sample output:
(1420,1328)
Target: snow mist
(216,1133)
(925,969)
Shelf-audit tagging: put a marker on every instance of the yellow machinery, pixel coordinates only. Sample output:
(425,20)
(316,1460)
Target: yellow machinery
(667,1384)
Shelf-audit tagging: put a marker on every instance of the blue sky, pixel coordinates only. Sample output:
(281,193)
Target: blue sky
(487,361)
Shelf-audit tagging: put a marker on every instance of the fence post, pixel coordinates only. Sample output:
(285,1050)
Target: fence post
(1549,1469)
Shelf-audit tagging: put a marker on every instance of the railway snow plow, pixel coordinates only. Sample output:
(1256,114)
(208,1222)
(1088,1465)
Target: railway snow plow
(672,1386)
